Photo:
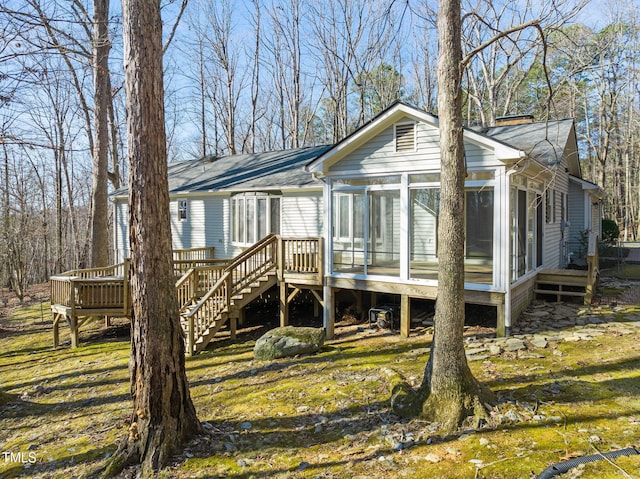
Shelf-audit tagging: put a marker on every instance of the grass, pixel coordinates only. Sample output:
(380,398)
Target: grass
(320,416)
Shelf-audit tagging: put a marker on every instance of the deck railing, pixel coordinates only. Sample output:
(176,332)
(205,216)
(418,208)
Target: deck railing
(193,253)
(253,263)
(205,287)
(302,256)
(93,288)
(196,282)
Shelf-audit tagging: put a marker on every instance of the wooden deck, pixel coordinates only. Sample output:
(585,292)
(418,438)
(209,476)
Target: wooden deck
(211,292)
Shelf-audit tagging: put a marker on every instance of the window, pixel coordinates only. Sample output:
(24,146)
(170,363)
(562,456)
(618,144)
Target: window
(253,217)
(406,137)
(550,206)
(479,223)
(366,231)
(182,209)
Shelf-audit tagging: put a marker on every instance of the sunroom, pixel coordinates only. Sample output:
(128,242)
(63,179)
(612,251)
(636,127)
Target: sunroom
(382,204)
(384,227)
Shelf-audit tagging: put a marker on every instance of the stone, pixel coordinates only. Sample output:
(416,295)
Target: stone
(432,457)
(288,341)
(477,357)
(539,343)
(475,351)
(515,344)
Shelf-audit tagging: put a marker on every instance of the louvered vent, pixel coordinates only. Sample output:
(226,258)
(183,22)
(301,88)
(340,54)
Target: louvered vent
(406,137)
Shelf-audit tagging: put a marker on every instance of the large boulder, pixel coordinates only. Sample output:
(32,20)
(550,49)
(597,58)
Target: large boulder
(288,341)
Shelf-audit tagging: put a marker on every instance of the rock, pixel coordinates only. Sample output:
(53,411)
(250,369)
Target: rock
(539,343)
(475,351)
(288,341)
(514,344)
(477,357)
(302,466)
(433,458)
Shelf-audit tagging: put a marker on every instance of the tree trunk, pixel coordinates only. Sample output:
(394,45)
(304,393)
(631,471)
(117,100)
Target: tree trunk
(163,414)
(100,243)
(449,392)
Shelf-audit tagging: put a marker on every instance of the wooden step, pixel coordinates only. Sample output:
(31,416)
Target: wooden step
(555,292)
(565,282)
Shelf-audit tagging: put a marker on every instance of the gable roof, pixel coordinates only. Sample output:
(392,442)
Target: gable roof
(394,113)
(245,172)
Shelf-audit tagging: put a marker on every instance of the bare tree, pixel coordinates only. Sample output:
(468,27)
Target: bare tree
(449,392)
(100,240)
(163,414)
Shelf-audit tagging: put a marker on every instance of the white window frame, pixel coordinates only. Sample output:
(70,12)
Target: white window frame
(240,216)
(183,209)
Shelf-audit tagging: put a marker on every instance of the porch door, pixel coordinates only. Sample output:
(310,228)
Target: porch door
(383,232)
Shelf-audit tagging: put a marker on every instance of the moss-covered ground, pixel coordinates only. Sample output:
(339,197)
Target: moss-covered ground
(62,412)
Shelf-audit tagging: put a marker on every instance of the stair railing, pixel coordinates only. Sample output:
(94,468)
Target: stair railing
(195,283)
(246,268)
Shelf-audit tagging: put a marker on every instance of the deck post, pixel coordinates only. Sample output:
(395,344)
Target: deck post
(73,325)
(501,324)
(328,314)
(190,337)
(56,330)
(405,315)
(284,306)
(233,326)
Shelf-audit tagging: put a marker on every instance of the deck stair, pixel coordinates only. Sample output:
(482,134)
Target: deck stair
(210,292)
(561,284)
(212,296)
(571,282)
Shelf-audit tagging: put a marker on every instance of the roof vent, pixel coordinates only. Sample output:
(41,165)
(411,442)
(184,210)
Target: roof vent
(514,120)
(406,137)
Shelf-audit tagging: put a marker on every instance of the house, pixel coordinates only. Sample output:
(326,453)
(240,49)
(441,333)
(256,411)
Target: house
(231,202)
(374,199)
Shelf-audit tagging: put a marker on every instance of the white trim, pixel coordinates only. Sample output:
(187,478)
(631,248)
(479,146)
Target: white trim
(395,114)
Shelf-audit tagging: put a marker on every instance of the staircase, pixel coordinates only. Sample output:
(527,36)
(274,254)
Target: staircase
(209,296)
(561,284)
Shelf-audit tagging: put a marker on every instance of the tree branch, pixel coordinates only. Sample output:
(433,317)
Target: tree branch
(533,23)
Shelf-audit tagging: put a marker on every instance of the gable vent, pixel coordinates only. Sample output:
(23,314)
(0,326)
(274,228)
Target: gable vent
(406,137)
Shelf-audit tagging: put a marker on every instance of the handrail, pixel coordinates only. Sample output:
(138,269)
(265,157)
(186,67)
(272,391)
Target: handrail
(93,272)
(250,251)
(205,298)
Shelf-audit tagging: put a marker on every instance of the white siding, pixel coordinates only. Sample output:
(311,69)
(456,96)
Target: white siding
(207,217)
(378,155)
(553,240)
(301,214)
(576,212)
(121,230)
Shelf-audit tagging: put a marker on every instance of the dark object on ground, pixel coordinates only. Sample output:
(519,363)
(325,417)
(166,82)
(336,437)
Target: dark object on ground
(562,467)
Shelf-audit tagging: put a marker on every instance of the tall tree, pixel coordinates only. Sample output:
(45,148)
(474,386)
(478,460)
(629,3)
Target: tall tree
(163,414)
(100,241)
(449,392)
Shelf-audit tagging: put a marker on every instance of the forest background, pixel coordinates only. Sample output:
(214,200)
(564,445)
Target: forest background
(262,75)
